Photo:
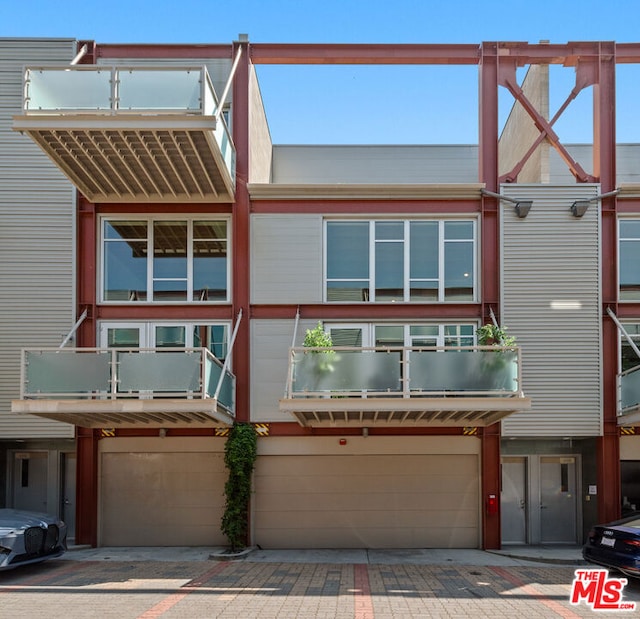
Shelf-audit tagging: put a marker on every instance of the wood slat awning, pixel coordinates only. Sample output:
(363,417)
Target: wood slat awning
(129,413)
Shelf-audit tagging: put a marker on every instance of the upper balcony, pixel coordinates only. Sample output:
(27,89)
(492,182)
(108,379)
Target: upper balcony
(131,134)
(629,397)
(126,388)
(409,386)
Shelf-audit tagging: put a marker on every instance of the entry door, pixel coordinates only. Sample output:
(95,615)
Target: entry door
(514,500)
(30,471)
(558,500)
(68,462)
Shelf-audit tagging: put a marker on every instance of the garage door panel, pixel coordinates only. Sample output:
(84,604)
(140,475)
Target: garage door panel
(162,499)
(361,465)
(373,482)
(374,501)
(378,538)
(330,501)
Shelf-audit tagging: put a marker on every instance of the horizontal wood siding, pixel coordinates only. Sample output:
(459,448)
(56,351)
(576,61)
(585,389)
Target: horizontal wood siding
(36,239)
(269,365)
(286,259)
(548,257)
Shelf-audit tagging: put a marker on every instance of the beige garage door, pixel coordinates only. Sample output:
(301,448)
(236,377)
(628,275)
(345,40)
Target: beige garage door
(162,499)
(367,501)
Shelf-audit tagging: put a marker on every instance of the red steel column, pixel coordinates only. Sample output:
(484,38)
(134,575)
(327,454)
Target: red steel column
(86,438)
(241,229)
(490,264)
(604,163)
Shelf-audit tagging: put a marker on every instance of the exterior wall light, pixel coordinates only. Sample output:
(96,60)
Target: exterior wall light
(579,207)
(522,207)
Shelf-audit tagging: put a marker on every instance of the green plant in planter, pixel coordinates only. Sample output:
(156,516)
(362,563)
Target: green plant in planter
(492,335)
(240,453)
(494,367)
(319,338)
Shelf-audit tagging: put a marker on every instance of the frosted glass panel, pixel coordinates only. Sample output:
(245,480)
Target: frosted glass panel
(347,371)
(68,90)
(159,90)
(166,371)
(65,372)
(630,389)
(463,371)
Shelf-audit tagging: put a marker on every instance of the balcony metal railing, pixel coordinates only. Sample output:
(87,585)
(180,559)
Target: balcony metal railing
(406,372)
(73,90)
(629,391)
(125,373)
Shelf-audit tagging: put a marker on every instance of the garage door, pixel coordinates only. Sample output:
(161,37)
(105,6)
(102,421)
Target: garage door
(367,501)
(162,499)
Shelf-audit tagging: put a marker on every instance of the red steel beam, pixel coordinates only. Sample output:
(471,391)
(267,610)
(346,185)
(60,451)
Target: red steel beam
(338,53)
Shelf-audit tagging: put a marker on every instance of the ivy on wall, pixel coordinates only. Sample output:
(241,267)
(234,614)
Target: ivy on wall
(239,457)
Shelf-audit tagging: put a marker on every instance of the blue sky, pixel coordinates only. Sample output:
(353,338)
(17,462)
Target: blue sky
(349,104)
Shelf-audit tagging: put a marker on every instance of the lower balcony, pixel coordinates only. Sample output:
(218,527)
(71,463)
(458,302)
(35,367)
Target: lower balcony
(409,386)
(126,388)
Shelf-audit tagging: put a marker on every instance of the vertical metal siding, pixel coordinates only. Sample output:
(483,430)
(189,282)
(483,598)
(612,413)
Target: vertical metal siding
(269,365)
(286,258)
(548,257)
(36,239)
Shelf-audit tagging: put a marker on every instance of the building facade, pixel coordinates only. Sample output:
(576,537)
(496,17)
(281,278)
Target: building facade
(164,260)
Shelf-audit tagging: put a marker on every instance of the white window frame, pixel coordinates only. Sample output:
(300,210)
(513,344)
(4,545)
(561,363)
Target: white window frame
(442,242)
(149,220)
(147,330)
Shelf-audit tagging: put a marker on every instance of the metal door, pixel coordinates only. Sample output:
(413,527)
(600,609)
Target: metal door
(68,511)
(513,499)
(30,471)
(558,506)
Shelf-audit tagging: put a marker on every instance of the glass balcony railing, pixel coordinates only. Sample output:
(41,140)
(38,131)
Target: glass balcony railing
(403,372)
(117,373)
(629,391)
(126,90)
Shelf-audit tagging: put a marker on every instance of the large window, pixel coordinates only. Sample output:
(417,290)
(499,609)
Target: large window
(173,260)
(629,259)
(390,261)
(215,337)
(395,335)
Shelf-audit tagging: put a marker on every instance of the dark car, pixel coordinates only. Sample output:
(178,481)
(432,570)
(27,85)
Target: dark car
(29,537)
(616,545)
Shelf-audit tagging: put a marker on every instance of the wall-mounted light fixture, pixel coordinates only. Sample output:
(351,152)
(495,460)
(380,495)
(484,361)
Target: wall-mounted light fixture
(522,207)
(579,207)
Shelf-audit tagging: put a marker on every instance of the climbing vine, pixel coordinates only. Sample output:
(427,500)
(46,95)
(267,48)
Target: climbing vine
(239,457)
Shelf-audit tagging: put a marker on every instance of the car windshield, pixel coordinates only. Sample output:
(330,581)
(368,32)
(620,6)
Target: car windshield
(635,524)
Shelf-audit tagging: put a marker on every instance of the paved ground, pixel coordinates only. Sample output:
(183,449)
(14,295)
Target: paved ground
(186,583)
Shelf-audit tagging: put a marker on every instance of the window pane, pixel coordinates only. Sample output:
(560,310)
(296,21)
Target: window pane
(458,230)
(210,230)
(348,250)
(169,249)
(389,335)
(629,270)
(125,271)
(170,337)
(390,230)
(424,292)
(123,337)
(389,271)
(170,290)
(423,251)
(346,337)
(348,291)
(213,337)
(209,271)
(458,271)
(133,230)
(629,229)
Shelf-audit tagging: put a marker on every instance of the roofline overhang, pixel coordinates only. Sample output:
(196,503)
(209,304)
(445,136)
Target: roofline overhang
(355,191)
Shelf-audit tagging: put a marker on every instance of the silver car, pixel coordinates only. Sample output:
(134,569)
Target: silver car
(29,537)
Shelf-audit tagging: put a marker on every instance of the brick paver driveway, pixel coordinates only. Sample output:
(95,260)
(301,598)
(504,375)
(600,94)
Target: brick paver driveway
(241,589)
